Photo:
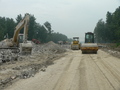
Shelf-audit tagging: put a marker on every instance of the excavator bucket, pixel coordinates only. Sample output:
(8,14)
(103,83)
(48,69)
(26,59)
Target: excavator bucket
(26,48)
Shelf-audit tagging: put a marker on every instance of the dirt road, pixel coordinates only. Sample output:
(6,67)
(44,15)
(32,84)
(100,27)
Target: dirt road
(76,71)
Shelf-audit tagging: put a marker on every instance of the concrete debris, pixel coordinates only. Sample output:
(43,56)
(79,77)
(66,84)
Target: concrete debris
(43,69)
(13,77)
(8,55)
(26,66)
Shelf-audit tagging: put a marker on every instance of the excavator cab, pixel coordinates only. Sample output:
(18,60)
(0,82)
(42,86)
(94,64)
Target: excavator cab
(24,47)
(20,38)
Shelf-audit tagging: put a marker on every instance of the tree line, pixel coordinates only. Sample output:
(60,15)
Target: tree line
(43,33)
(109,31)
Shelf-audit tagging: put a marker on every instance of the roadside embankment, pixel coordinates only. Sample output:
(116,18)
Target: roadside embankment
(111,48)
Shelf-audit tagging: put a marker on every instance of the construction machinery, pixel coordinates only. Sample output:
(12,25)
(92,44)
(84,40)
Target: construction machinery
(75,45)
(35,41)
(19,41)
(89,46)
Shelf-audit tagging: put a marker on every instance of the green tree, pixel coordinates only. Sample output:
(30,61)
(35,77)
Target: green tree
(31,28)
(116,24)
(1,33)
(19,18)
(58,37)
(10,27)
(109,31)
(100,32)
(43,34)
(48,26)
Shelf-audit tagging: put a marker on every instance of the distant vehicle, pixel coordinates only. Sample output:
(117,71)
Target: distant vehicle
(89,46)
(75,45)
(60,42)
(36,41)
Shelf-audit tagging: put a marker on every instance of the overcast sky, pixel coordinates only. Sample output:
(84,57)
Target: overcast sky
(70,17)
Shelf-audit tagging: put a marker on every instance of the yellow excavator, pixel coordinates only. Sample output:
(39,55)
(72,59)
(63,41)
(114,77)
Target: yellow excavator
(75,45)
(89,46)
(19,41)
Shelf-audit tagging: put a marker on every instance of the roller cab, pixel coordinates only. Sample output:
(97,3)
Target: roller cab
(89,46)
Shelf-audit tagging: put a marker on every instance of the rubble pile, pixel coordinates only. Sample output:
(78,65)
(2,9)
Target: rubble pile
(8,55)
(49,48)
(27,66)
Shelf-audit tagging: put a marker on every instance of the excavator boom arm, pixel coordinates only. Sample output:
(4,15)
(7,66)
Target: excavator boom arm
(22,23)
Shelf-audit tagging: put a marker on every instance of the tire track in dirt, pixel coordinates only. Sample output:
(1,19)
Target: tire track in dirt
(65,82)
(108,69)
(82,74)
(110,73)
(101,79)
(79,81)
